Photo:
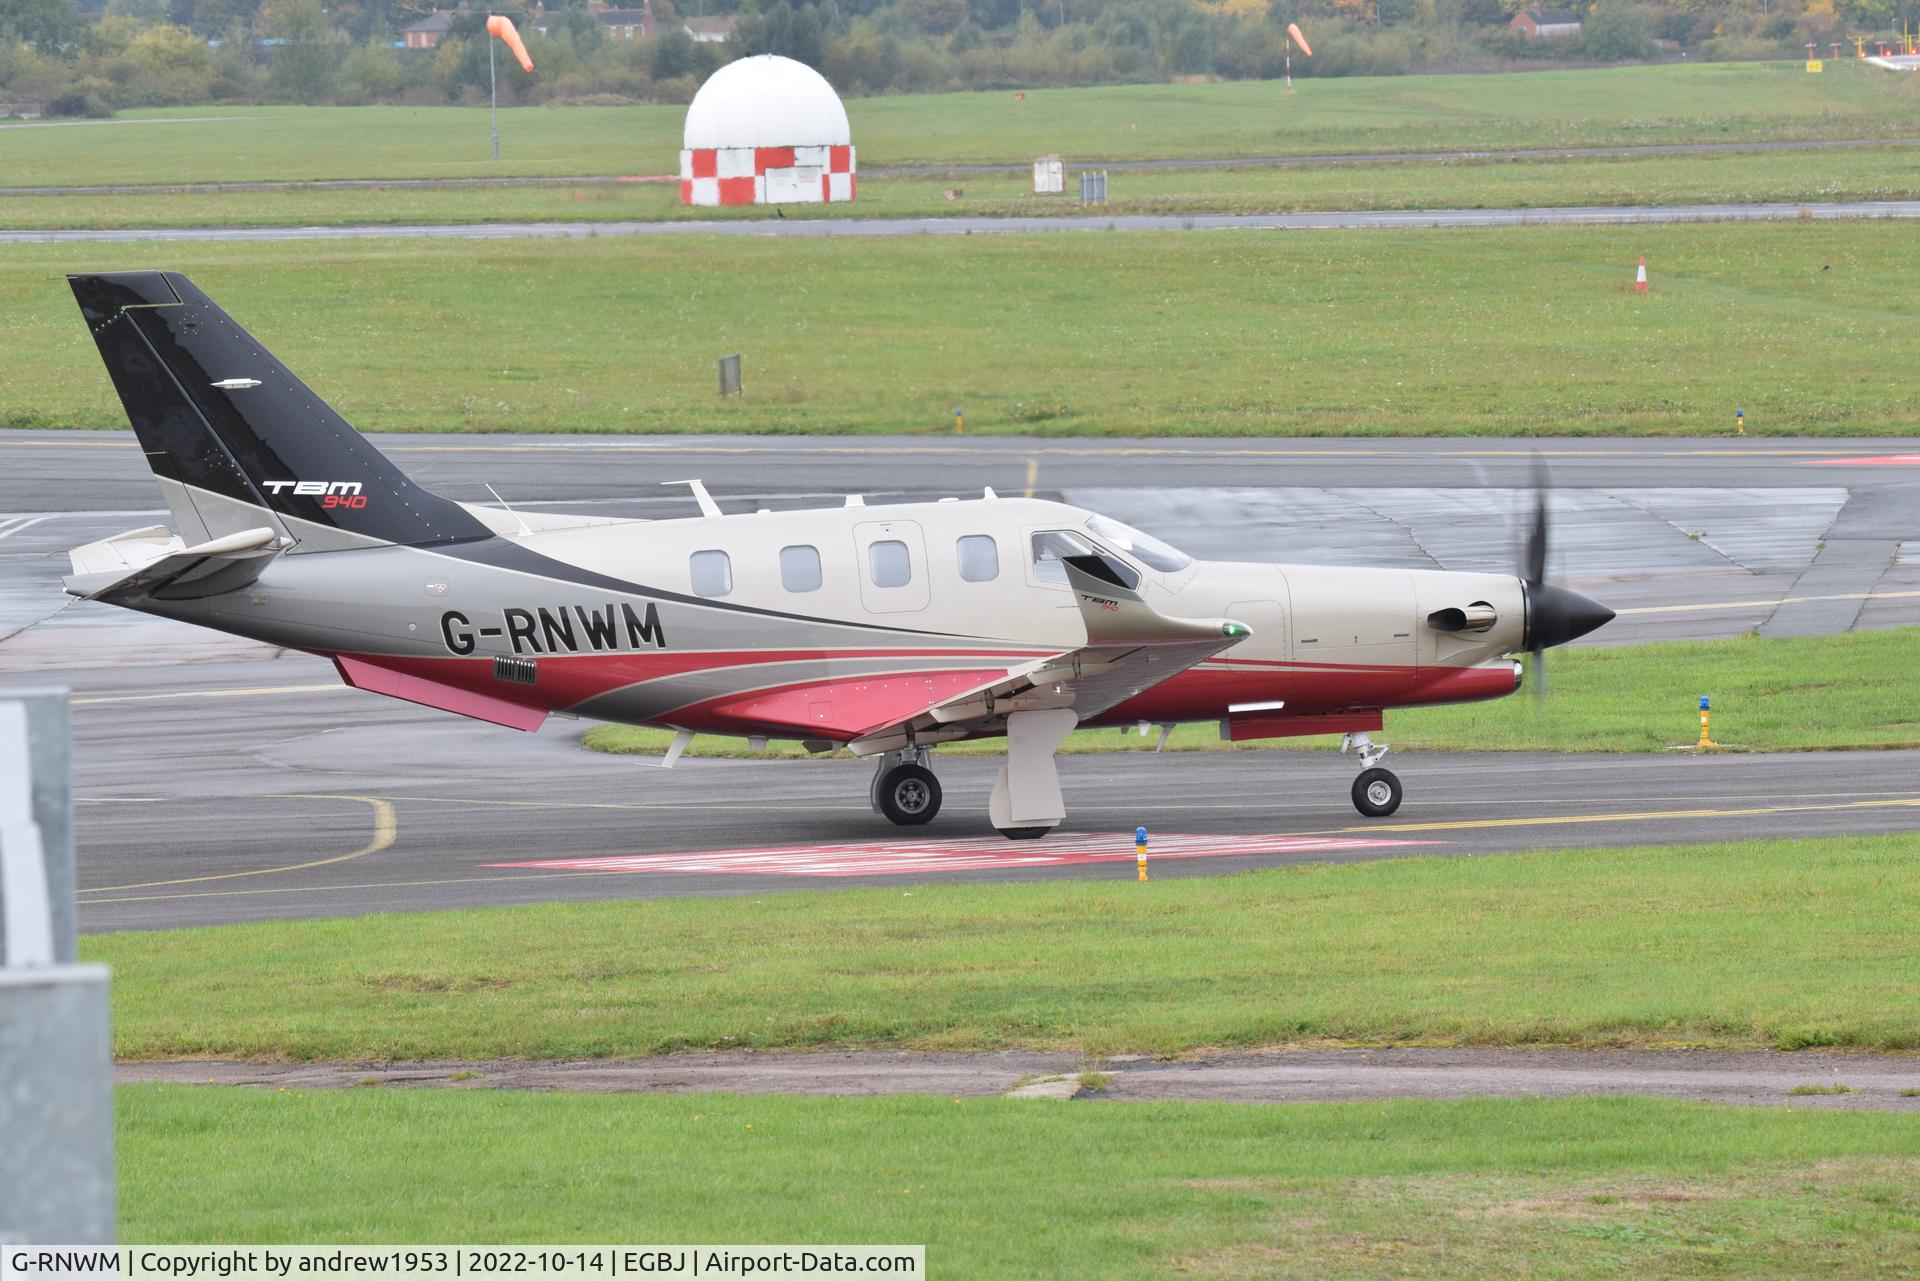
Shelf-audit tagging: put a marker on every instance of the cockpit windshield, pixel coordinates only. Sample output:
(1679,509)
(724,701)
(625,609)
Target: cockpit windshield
(1143,547)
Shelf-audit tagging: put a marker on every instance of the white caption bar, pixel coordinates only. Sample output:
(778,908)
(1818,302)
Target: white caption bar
(445,1262)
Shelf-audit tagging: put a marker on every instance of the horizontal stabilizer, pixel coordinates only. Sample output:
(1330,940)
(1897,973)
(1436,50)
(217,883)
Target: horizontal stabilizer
(151,564)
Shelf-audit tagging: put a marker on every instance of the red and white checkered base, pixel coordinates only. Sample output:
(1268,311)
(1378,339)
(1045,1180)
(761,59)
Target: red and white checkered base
(766,175)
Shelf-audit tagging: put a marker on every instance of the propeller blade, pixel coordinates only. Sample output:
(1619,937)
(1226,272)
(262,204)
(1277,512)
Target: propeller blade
(1534,563)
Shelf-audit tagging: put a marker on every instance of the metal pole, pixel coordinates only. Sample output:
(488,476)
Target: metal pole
(56,1056)
(493,83)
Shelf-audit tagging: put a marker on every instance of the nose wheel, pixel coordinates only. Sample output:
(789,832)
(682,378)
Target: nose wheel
(1376,793)
(908,794)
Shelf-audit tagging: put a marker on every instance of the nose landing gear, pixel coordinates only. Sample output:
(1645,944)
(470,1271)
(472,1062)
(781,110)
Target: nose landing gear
(905,791)
(1377,792)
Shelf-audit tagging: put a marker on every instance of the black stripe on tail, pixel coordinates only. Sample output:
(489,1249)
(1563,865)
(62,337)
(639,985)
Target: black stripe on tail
(214,410)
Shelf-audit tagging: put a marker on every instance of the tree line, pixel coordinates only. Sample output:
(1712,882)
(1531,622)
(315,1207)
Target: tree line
(173,52)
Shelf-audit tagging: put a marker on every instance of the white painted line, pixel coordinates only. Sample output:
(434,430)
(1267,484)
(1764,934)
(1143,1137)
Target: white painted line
(19,523)
(258,691)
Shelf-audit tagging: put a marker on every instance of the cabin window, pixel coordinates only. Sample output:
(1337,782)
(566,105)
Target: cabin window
(979,558)
(1049,545)
(800,568)
(889,564)
(712,574)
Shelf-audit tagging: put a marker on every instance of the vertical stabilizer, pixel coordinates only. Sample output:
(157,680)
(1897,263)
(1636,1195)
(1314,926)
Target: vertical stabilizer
(235,439)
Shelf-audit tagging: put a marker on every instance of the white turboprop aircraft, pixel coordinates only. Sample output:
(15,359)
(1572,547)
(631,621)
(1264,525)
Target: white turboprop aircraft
(885,630)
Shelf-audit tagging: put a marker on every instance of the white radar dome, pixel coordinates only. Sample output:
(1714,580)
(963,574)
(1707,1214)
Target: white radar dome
(766,101)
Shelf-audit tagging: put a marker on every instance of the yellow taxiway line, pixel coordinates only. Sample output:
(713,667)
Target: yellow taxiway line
(1763,604)
(1459,825)
(385,829)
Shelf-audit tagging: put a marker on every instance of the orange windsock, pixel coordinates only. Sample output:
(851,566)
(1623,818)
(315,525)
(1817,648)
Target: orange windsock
(1299,39)
(503,27)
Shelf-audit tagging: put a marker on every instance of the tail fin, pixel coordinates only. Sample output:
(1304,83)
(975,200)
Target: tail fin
(235,439)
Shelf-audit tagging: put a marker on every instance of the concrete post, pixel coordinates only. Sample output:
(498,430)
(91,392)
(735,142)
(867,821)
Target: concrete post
(56,1053)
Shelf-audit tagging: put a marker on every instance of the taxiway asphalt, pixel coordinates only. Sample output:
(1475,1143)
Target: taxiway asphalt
(220,780)
(1333,220)
(1803,1079)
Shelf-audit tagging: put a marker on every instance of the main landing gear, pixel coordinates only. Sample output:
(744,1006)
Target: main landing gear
(904,789)
(1377,792)
(1026,799)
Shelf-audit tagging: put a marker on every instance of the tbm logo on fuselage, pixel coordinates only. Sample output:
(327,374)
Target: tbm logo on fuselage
(553,631)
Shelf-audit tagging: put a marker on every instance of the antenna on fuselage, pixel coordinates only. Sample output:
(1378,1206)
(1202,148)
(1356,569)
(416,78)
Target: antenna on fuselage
(700,495)
(524,527)
(856,500)
(988,492)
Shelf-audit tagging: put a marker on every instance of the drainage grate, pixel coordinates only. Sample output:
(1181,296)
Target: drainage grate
(518,670)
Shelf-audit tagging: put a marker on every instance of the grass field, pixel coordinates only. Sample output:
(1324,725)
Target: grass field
(1720,945)
(1867,174)
(1712,102)
(1616,1187)
(1521,331)
(1821,693)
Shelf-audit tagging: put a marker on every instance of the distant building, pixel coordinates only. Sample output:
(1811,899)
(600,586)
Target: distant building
(626,24)
(1546,22)
(710,30)
(429,31)
(615,24)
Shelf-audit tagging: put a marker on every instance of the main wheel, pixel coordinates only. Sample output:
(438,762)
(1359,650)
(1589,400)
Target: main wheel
(909,795)
(1376,793)
(1023,833)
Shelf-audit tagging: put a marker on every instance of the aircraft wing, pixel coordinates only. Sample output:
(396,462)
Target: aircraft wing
(152,563)
(1131,646)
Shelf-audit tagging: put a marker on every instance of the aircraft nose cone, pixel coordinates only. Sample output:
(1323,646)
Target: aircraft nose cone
(1556,615)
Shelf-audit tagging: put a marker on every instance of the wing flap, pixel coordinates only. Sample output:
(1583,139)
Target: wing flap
(1131,646)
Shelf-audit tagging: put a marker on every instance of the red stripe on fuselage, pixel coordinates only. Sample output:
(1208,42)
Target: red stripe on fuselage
(863,702)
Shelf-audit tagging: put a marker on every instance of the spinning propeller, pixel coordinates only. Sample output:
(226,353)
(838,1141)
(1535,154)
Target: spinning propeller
(1555,615)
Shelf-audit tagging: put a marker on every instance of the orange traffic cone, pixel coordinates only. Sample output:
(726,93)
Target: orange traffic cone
(1640,278)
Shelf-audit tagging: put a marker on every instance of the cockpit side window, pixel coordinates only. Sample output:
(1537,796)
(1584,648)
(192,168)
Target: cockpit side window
(1049,545)
(1143,547)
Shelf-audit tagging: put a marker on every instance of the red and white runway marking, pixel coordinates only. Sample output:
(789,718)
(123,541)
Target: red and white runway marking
(972,854)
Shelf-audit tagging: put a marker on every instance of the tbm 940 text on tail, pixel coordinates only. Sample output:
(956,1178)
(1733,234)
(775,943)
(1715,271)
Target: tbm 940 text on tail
(886,629)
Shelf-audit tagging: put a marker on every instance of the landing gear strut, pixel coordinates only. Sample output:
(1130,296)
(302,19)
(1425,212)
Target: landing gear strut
(904,789)
(1377,792)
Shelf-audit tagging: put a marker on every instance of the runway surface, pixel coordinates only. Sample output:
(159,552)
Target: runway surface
(969,226)
(220,780)
(1301,161)
(1875,1082)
